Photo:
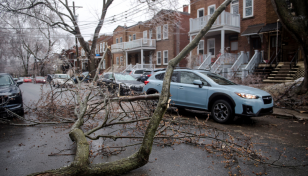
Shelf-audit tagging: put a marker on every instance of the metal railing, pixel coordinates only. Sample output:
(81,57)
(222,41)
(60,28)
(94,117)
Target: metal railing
(217,64)
(224,19)
(294,60)
(239,61)
(206,62)
(255,60)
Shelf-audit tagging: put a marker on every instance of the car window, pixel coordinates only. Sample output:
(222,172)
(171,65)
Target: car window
(174,77)
(218,79)
(39,77)
(138,71)
(5,80)
(124,77)
(189,77)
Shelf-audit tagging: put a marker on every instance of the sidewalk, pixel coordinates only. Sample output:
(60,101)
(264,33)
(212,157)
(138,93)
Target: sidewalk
(290,113)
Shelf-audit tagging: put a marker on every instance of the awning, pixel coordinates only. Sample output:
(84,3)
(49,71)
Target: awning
(272,27)
(252,30)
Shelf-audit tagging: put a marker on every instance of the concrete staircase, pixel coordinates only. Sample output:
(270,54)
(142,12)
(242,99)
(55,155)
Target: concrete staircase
(282,73)
(264,70)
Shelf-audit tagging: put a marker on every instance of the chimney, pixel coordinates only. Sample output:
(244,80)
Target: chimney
(185,8)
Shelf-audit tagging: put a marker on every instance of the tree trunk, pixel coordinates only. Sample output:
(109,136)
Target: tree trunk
(80,165)
(294,20)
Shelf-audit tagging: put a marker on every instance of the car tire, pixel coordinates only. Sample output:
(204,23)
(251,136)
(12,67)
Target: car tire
(222,112)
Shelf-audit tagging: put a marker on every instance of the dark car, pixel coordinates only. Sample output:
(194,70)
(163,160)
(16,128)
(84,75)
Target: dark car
(128,84)
(147,73)
(39,79)
(10,94)
(49,78)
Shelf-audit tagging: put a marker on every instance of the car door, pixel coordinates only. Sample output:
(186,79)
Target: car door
(158,83)
(191,95)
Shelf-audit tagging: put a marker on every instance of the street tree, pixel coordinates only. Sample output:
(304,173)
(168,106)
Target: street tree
(293,16)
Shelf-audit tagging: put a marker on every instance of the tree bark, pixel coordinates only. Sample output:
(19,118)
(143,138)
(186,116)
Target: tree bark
(295,21)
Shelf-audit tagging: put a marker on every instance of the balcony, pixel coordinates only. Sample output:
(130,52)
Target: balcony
(225,20)
(146,44)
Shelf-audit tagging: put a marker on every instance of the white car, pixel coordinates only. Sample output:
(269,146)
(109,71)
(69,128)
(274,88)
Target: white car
(62,80)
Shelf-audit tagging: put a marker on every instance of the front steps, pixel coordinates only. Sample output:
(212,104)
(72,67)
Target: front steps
(282,73)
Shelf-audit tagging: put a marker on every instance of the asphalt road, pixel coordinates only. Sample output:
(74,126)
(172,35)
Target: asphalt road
(25,150)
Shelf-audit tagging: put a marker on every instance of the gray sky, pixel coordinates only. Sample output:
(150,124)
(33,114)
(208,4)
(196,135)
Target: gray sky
(119,13)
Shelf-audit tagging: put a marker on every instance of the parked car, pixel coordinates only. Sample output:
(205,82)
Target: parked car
(137,73)
(11,96)
(49,78)
(128,84)
(81,76)
(200,89)
(39,79)
(21,79)
(62,80)
(147,73)
(15,79)
(27,79)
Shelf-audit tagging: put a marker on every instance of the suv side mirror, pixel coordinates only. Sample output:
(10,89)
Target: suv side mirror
(198,82)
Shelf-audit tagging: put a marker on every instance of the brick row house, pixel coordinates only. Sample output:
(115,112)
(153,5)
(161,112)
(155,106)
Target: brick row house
(102,42)
(158,40)
(244,35)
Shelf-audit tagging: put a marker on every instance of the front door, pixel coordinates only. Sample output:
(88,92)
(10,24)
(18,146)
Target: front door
(255,44)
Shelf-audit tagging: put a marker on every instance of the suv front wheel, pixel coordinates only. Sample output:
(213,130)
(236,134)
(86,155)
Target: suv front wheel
(222,112)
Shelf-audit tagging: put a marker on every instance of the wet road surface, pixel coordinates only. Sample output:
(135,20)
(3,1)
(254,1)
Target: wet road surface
(25,150)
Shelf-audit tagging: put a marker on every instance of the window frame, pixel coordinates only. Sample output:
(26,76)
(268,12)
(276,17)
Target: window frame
(244,9)
(130,38)
(117,40)
(200,48)
(164,57)
(208,46)
(121,40)
(198,16)
(145,36)
(134,36)
(150,34)
(235,4)
(117,60)
(167,32)
(158,32)
(209,7)
(158,63)
(121,60)
(231,45)
(101,47)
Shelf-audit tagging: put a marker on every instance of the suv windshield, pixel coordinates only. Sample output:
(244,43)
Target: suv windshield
(5,80)
(218,79)
(124,77)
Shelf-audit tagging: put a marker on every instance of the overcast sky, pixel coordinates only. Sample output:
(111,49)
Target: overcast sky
(119,13)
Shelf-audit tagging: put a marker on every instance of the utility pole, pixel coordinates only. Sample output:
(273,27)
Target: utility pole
(75,18)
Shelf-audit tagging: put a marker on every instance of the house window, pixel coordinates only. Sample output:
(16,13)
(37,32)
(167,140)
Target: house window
(165,34)
(248,8)
(201,47)
(158,33)
(145,36)
(211,46)
(117,61)
(130,38)
(150,34)
(158,57)
(234,7)
(211,9)
(117,40)
(101,47)
(165,57)
(200,12)
(121,60)
(134,37)
(96,49)
(82,52)
(234,46)
(120,39)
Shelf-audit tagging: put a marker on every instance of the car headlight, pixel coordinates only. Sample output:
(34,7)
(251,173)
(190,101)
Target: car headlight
(248,96)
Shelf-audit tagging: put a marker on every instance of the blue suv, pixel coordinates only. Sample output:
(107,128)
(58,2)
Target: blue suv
(203,90)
